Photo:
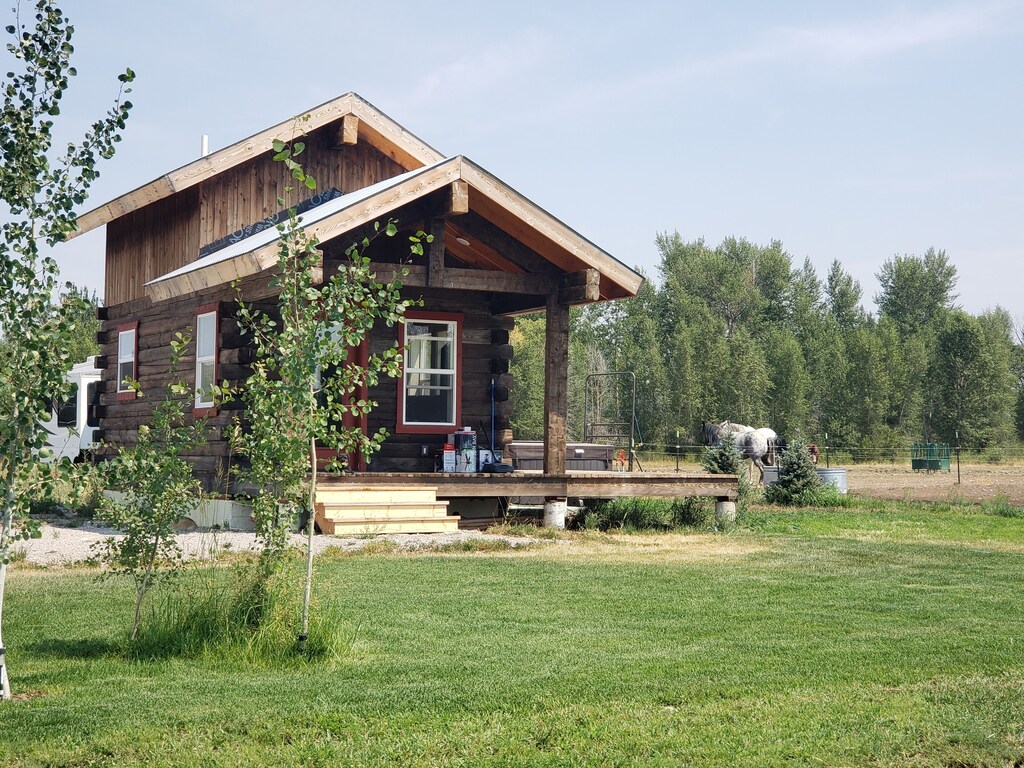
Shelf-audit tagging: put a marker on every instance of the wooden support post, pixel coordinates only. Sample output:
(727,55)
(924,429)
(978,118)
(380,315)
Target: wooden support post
(435,275)
(556,385)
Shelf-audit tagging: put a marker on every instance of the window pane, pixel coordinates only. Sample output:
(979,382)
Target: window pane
(425,405)
(434,380)
(430,372)
(68,412)
(205,382)
(126,345)
(125,371)
(206,335)
(93,401)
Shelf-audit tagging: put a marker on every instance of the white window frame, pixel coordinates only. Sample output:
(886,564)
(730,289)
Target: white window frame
(127,357)
(208,359)
(454,322)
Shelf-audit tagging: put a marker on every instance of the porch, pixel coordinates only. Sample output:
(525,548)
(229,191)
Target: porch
(420,502)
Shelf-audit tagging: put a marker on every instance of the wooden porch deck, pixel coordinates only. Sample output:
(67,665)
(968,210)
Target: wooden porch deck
(423,502)
(533,483)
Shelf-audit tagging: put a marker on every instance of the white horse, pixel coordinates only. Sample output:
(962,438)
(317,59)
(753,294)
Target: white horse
(756,445)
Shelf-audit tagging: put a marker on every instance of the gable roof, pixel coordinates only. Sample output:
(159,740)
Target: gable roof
(377,128)
(550,238)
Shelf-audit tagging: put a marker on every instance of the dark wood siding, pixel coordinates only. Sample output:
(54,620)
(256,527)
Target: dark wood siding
(168,234)
(150,242)
(249,192)
(485,355)
(158,324)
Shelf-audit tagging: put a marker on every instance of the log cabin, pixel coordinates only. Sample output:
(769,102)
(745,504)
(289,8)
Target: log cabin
(180,248)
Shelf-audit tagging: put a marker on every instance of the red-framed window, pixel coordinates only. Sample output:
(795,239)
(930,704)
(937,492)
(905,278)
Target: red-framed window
(207,338)
(430,389)
(127,359)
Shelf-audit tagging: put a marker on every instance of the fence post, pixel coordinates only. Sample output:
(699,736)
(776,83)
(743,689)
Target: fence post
(677,450)
(958,457)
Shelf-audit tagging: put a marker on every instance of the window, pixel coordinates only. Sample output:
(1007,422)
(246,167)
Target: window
(92,418)
(206,356)
(127,347)
(429,396)
(67,412)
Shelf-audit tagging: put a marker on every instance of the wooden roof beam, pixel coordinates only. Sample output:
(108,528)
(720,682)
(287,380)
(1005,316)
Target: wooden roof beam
(457,278)
(580,287)
(458,198)
(479,228)
(348,130)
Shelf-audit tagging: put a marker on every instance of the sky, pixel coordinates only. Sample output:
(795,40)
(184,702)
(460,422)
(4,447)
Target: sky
(850,131)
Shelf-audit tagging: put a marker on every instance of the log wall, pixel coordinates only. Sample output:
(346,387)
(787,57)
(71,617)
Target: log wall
(485,355)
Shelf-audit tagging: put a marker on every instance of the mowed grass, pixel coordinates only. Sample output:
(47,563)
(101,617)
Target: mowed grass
(813,638)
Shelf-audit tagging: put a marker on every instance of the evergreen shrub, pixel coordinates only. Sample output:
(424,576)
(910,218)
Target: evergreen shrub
(798,483)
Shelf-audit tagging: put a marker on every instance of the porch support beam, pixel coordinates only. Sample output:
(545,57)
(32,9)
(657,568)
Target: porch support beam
(556,381)
(435,275)
(466,279)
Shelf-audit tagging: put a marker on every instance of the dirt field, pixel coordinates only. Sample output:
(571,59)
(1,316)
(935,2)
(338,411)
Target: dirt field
(978,482)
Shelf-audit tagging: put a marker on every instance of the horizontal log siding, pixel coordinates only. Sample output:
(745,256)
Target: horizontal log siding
(485,355)
(483,350)
(158,324)
(168,234)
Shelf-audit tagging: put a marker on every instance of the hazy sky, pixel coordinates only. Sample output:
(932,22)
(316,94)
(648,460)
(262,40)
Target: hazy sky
(846,130)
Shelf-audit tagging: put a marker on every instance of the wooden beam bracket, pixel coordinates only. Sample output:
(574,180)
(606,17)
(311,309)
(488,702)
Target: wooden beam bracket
(435,273)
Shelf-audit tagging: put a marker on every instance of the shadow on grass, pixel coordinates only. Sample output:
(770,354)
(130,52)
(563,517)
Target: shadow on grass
(83,648)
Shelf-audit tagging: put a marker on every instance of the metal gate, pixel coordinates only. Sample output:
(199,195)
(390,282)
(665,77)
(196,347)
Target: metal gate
(604,418)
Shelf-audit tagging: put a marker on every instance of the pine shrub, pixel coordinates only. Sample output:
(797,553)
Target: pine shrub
(798,483)
(724,458)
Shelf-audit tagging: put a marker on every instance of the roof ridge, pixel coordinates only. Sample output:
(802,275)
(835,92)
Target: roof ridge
(380,128)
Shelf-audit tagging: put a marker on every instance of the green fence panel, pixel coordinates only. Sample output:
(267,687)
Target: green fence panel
(929,456)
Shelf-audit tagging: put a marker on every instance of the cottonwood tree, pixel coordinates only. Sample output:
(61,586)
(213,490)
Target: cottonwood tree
(41,189)
(157,489)
(304,391)
(915,290)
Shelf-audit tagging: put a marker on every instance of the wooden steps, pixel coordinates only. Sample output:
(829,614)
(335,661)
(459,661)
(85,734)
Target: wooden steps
(346,510)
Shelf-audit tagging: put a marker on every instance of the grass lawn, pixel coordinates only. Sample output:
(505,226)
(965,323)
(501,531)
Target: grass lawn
(877,635)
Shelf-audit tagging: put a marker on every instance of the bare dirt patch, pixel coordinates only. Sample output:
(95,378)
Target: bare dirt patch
(64,545)
(978,483)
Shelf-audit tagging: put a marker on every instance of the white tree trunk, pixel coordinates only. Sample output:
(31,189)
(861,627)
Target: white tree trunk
(5,684)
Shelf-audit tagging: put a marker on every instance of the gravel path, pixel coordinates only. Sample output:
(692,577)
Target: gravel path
(67,545)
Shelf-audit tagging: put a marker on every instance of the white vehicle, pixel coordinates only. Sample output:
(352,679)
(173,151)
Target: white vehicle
(73,423)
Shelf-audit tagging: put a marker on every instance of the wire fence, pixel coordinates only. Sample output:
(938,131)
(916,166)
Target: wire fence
(669,456)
